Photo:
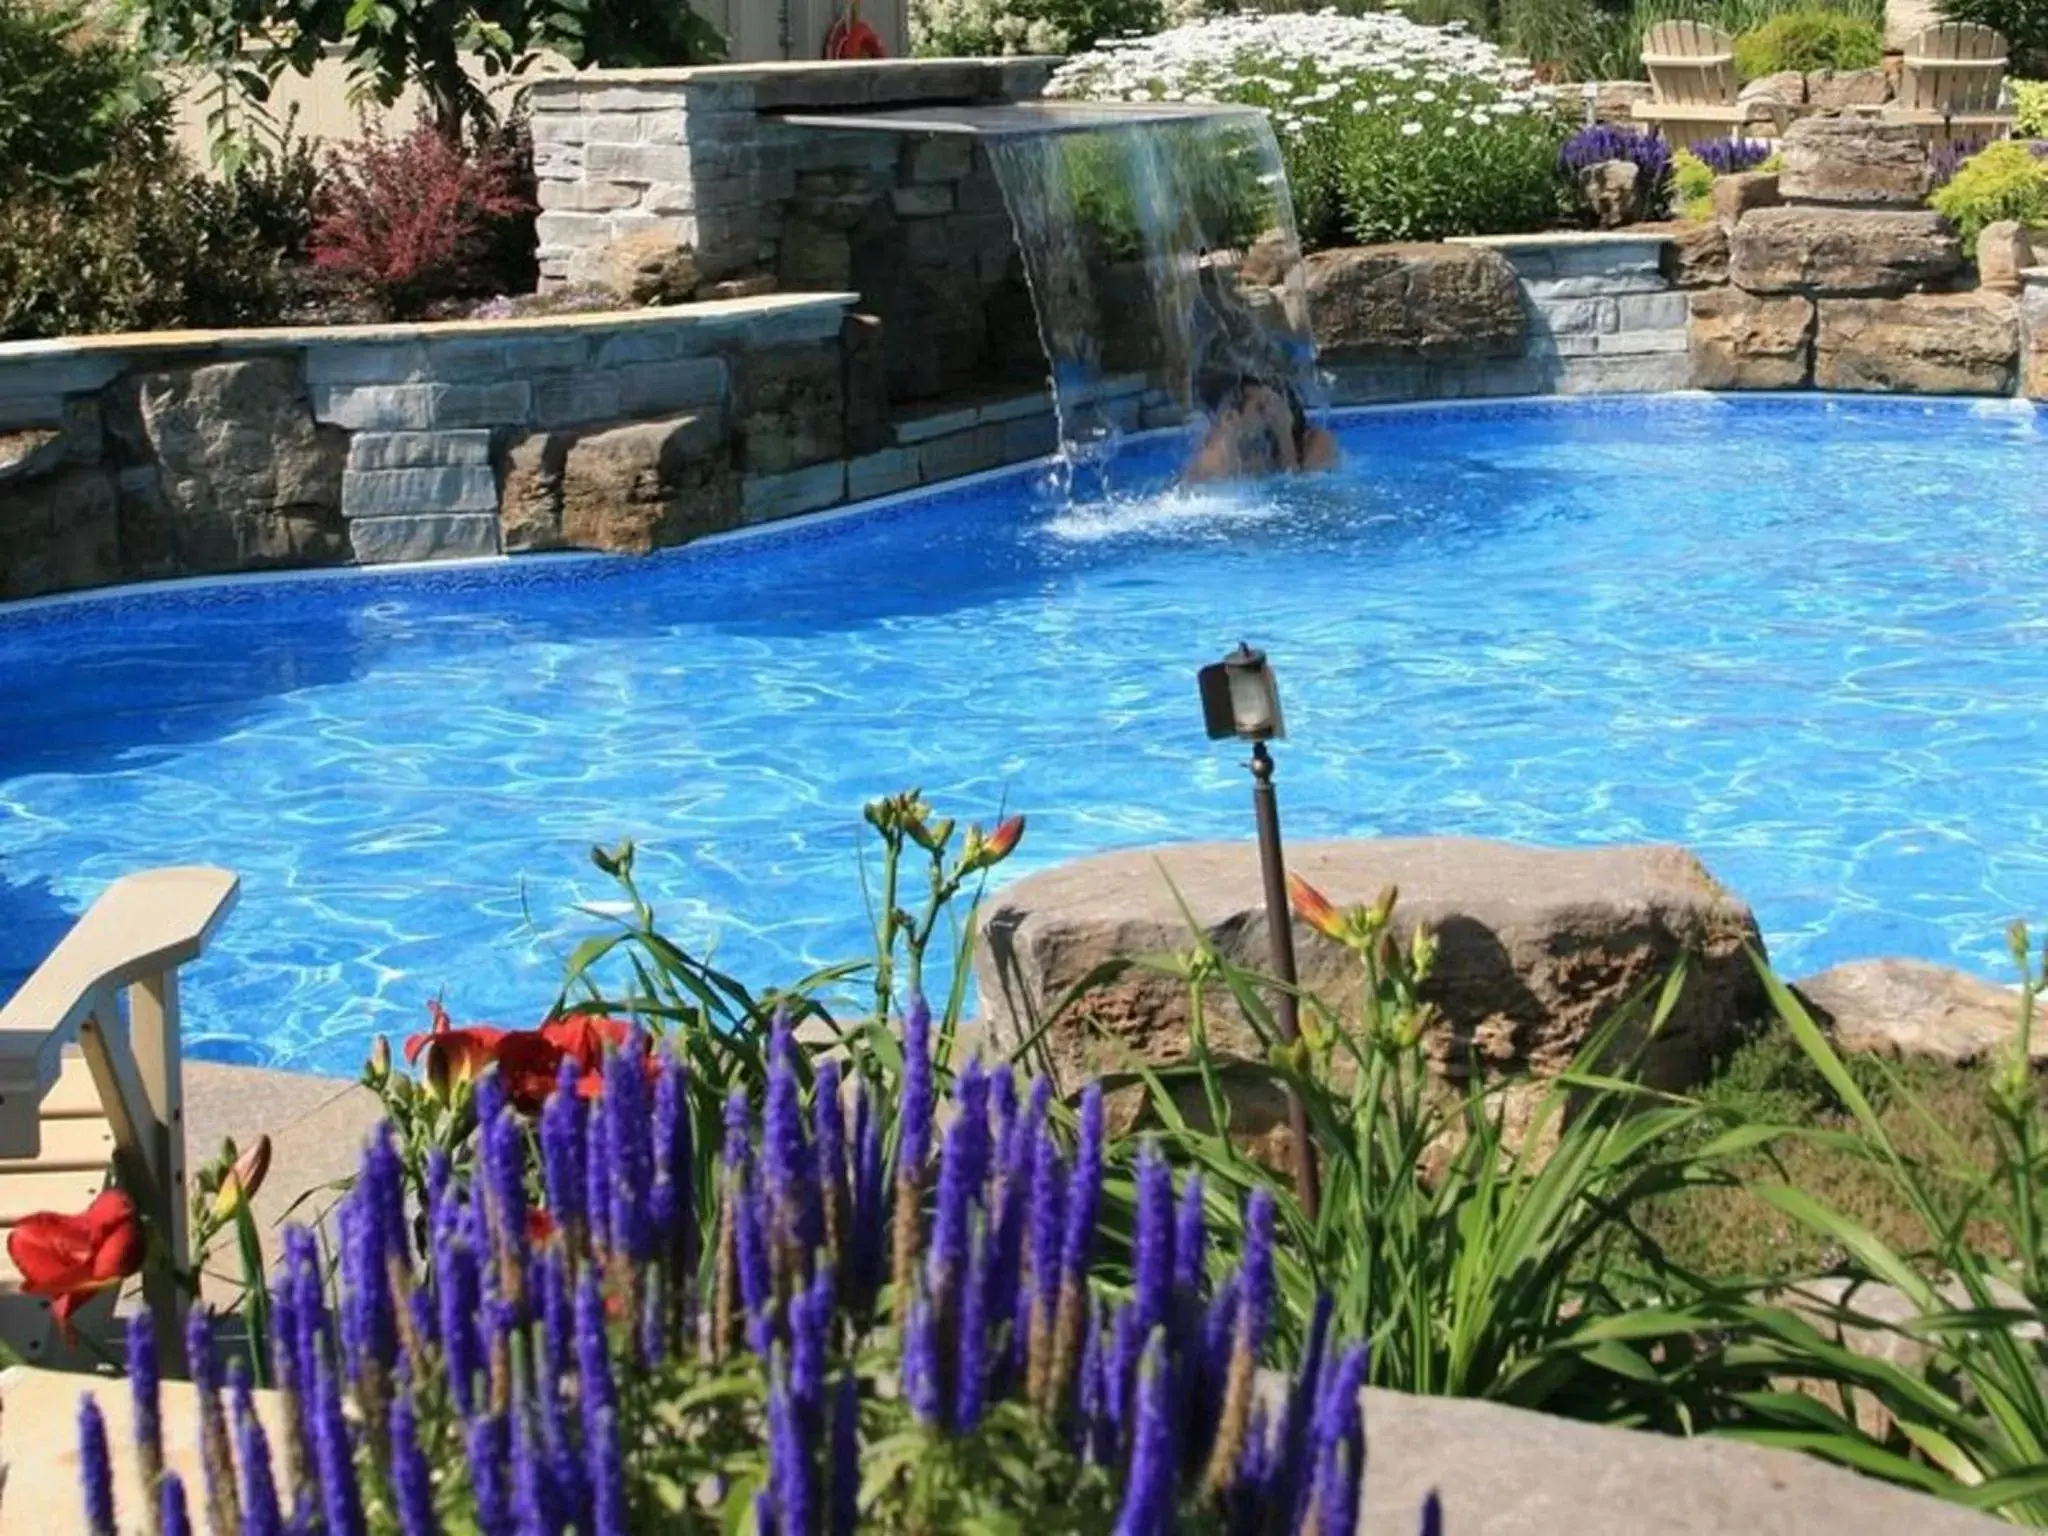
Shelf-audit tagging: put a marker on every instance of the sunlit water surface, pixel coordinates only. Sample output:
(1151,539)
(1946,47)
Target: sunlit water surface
(1806,637)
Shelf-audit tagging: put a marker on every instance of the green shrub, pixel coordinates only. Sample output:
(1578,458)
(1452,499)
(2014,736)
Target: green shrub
(1808,40)
(1563,35)
(985,28)
(1415,170)
(66,90)
(147,244)
(1692,186)
(1622,55)
(2002,181)
(2030,108)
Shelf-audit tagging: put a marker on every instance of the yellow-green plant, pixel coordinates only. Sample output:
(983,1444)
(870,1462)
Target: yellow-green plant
(2001,181)
(2030,108)
(1692,186)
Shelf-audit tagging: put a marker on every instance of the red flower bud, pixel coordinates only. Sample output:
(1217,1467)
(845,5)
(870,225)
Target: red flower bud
(1315,909)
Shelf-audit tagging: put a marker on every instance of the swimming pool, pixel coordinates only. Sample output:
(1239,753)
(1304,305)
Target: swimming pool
(1806,636)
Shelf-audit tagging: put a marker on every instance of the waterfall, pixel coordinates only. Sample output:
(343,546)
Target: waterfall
(1161,246)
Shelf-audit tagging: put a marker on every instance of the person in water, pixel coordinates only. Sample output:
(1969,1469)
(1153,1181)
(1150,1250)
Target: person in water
(1258,428)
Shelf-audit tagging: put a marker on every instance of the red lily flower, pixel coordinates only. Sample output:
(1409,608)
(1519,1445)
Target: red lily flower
(527,1062)
(70,1259)
(1316,909)
(584,1037)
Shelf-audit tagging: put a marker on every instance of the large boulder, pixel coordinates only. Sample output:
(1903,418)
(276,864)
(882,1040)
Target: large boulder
(1785,88)
(1614,192)
(236,474)
(1922,343)
(1911,1010)
(1840,251)
(642,486)
(1695,253)
(58,531)
(1537,947)
(1406,301)
(1854,162)
(1750,341)
(1735,195)
(1837,90)
(2004,251)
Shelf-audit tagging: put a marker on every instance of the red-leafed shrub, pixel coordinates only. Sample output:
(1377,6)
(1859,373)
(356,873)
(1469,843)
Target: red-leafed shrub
(405,222)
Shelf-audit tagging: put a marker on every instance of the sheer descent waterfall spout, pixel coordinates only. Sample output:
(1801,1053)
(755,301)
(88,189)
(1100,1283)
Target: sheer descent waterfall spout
(1161,251)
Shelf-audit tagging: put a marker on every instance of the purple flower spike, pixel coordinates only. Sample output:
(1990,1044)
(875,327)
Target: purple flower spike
(563,1141)
(970,1097)
(488,1098)
(459,1295)
(1099,1429)
(828,1121)
(1190,1237)
(532,1486)
(1432,1515)
(216,1455)
(845,1510)
(915,1113)
(951,1223)
(810,1330)
(1299,1428)
(96,1469)
(789,1459)
(1339,1444)
(1002,1105)
(557,1317)
(487,1476)
(764,1514)
(1152,1269)
(570,1488)
(1084,1191)
(672,1204)
(412,1486)
(739,1120)
(607,1475)
(750,1240)
(786,1162)
(174,1516)
(1148,1489)
(970,1368)
(593,1361)
(1257,1272)
(1048,1199)
(261,1514)
(438,1171)
(597,1183)
(144,1391)
(870,1218)
(383,1173)
(629,1136)
(921,1363)
(334,1456)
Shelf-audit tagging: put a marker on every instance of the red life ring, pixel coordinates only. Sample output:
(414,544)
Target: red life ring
(852,38)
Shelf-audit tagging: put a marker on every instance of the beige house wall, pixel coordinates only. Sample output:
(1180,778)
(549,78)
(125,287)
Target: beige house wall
(754,29)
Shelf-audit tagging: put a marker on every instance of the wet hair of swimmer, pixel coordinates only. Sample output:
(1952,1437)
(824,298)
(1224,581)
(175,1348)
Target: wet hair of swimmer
(1217,390)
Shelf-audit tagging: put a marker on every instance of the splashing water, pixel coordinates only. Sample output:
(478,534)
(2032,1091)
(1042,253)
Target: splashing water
(1159,248)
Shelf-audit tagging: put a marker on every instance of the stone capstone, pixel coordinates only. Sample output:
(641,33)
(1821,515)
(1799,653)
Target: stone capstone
(239,476)
(1735,195)
(1537,947)
(1854,162)
(1836,90)
(1430,301)
(1911,1010)
(1840,251)
(2004,251)
(1750,341)
(633,488)
(1613,192)
(1922,343)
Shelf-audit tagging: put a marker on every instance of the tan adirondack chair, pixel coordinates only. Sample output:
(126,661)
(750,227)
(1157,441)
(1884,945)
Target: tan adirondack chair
(1950,80)
(1693,85)
(88,1085)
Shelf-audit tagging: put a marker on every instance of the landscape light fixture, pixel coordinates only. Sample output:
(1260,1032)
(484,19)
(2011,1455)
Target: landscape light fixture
(1241,701)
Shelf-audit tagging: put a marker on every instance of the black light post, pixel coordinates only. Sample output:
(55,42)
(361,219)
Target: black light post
(1240,699)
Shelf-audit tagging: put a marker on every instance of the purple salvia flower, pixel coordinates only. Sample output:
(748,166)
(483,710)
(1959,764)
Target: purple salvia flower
(828,1127)
(532,1485)
(1120,1370)
(458,1292)
(914,1123)
(223,1508)
(607,1474)
(488,1099)
(341,1500)
(629,1136)
(562,1148)
(739,1119)
(1257,1271)
(1190,1237)
(970,1098)
(810,1329)
(970,1365)
(383,1176)
(786,1163)
(845,1506)
(1152,1265)
(309,1303)
(1084,1191)
(1002,1105)
(870,1218)
(1726,157)
(1432,1515)
(593,1358)
(1048,1197)
(921,1363)
(96,1469)
(439,1170)
(790,1472)
(412,1486)
(1005,1265)
(764,1514)
(668,1201)
(1299,1427)
(1148,1487)
(557,1316)
(174,1515)
(502,1146)
(145,1392)
(261,1513)
(1099,1429)
(1339,1444)
(952,1221)
(597,1182)
(570,1488)
(488,1479)
(750,1241)
(1219,1328)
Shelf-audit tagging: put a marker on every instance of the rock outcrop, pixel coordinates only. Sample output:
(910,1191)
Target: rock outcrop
(1921,343)
(1840,251)
(1537,947)
(1912,1010)
(1750,341)
(1854,162)
(1415,301)
(631,489)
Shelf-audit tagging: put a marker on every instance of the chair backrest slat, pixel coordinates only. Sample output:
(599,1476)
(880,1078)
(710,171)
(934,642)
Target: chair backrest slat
(1690,64)
(1957,67)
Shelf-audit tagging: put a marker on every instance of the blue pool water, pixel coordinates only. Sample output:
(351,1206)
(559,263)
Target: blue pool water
(1807,637)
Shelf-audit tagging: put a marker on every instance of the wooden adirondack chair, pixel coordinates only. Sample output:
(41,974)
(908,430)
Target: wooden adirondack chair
(1949,84)
(87,1085)
(1693,85)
